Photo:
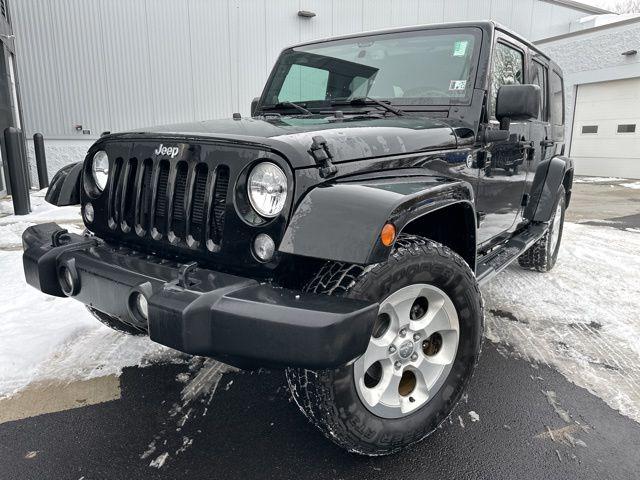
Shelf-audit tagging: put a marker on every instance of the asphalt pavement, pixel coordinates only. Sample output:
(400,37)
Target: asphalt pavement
(518,421)
(193,420)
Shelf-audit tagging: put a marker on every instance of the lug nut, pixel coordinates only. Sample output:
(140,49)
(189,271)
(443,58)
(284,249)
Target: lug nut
(397,365)
(403,332)
(392,349)
(414,357)
(416,337)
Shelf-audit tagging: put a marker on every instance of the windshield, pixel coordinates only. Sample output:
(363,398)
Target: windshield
(426,67)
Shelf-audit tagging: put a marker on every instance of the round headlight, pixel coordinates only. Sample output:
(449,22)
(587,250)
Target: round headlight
(267,189)
(100,169)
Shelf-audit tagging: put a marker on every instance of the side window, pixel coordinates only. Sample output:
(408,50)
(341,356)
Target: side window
(508,65)
(556,98)
(539,78)
(304,83)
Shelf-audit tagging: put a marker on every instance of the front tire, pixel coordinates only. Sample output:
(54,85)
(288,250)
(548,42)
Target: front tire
(382,403)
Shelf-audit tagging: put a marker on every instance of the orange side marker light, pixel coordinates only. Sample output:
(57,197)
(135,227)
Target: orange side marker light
(388,234)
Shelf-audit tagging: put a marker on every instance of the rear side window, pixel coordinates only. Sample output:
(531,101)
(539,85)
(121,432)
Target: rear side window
(556,99)
(540,78)
(507,69)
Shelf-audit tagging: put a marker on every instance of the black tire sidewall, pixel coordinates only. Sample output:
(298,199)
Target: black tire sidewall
(553,255)
(457,281)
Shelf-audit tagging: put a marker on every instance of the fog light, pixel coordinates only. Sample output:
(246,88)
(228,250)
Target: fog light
(264,247)
(142,306)
(67,281)
(88,212)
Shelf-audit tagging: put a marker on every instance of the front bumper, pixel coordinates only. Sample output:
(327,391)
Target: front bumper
(202,312)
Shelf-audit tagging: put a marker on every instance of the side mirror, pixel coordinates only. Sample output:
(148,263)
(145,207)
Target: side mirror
(517,102)
(254,106)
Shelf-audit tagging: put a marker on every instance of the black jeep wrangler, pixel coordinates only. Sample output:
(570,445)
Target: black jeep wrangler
(341,232)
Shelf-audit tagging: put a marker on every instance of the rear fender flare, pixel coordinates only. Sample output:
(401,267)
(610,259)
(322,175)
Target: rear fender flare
(549,175)
(342,220)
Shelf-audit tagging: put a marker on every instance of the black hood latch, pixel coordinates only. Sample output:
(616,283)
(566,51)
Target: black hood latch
(321,153)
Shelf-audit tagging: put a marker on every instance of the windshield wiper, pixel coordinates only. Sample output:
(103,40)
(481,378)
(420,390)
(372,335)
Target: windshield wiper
(365,100)
(300,108)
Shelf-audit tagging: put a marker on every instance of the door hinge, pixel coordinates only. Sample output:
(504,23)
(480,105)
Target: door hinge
(321,153)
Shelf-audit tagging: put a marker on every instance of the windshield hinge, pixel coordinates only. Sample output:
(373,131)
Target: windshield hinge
(322,155)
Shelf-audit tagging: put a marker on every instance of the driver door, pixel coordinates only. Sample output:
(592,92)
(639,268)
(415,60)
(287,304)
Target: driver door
(502,180)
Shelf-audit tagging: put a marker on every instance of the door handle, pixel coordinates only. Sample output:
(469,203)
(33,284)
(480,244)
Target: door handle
(547,143)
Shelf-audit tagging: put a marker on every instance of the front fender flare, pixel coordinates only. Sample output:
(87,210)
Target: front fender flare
(64,189)
(342,220)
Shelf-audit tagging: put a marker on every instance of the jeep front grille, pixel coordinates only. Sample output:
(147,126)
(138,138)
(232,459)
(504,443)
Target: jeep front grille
(181,202)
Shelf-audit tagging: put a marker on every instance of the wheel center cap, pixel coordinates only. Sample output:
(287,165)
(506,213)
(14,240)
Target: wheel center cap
(406,349)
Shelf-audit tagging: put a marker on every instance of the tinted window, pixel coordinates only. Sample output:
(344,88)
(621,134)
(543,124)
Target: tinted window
(540,78)
(429,67)
(507,70)
(627,128)
(304,83)
(590,129)
(557,99)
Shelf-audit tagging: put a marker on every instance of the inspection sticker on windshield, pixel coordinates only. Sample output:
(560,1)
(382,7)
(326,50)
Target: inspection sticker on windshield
(460,48)
(457,85)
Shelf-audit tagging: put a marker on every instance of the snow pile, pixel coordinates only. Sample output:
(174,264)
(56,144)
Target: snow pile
(634,185)
(582,317)
(43,337)
(12,226)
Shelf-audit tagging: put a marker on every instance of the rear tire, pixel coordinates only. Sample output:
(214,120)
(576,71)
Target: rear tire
(543,254)
(337,402)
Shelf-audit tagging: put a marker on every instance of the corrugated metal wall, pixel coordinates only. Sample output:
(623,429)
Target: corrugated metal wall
(120,64)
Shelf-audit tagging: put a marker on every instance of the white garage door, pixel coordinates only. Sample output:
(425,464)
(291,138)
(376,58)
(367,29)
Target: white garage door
(606,129)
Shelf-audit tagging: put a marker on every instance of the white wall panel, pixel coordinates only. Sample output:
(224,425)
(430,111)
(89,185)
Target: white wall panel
(501,10)
(404,12)
(431,11)
(456,11)
(521,17)
(479,9)
(249,34)
(127,70)
(79,65)
(170,61)
(320,26)
(376,14)
(41,105)
(348,16)
(120,64)
(283,27)
(210,59)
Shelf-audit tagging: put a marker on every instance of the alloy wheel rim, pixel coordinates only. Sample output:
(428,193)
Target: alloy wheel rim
(411,351)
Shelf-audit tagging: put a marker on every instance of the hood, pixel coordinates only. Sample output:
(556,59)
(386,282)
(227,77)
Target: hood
(349,138)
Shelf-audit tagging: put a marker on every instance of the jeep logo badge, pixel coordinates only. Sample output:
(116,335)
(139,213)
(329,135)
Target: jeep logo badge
(406,349)
(162,151)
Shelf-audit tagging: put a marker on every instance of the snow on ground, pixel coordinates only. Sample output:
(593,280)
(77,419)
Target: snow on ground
(12,226)
(634,185)
(582,317)
(598,179)
(43,337)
